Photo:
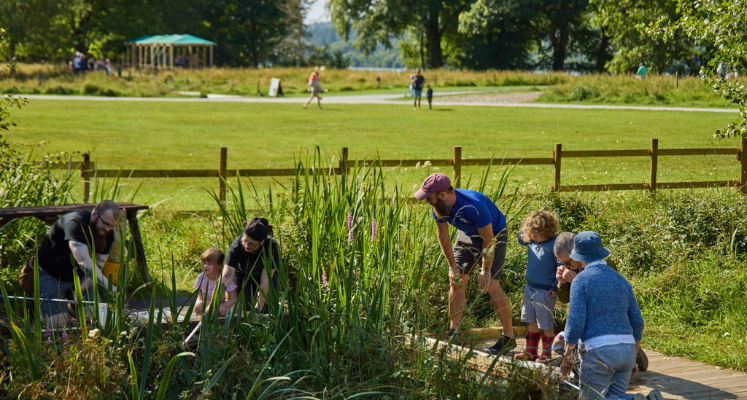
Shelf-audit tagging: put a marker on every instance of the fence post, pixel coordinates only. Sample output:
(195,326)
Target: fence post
(654,164)
(457,166)
(84,168)
(343,164)
(556,155)
(743,166)
(222,173)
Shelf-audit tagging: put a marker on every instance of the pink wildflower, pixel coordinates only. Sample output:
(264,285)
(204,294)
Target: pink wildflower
(350,228)
(49,341)
(324,280)
(373,229)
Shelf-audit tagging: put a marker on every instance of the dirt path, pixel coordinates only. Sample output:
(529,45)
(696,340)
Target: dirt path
(492,98)
(522,99)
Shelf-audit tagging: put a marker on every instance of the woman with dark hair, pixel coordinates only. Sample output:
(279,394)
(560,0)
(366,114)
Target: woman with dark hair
(251,262)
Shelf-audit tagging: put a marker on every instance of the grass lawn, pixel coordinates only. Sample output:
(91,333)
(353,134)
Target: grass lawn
(175,135)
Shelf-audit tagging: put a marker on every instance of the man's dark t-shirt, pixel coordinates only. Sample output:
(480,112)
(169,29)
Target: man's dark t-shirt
(55,256)
(417,83)
(248,264)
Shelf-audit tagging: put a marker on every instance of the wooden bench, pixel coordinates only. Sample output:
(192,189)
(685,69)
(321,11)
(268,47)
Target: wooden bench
(49,214)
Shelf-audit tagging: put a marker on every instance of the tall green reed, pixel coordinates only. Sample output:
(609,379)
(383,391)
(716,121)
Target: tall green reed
(360,268)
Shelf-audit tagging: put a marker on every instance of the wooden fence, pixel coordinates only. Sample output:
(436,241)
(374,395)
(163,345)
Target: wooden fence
(88,168)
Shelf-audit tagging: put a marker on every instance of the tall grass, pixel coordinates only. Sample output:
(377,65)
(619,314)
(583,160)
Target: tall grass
(624,89)
(347,295)
(27,181)
(46,79)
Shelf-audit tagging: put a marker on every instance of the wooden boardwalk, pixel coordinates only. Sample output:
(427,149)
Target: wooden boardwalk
(677,378)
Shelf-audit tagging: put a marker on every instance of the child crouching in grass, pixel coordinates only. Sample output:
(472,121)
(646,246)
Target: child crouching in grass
(538,235)
(212,264)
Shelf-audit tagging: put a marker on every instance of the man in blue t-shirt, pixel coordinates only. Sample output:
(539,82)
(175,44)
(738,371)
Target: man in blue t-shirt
(481,239)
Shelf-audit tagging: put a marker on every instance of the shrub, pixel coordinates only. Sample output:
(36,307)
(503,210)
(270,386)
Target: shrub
(58,89)
(583,92)
(89,88)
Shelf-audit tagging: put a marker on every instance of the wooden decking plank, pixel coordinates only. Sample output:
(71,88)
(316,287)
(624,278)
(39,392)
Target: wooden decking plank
(706,375)
(673,363)
(680,378)
(679,368)
(713,393)
(693,387)
(687,376)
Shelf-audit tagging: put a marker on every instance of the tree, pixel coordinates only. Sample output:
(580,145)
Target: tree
(718,25)
(623,21)
(295,41)
(560,16)
(7,102)
(376,21)
(497,34)
(28,23)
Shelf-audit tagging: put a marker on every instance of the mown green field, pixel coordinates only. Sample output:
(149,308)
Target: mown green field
(179,135)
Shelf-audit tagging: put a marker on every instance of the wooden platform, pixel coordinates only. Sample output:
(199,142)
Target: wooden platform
(678,378)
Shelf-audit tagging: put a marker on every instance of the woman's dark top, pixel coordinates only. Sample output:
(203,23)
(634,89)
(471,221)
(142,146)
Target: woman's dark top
(252,264)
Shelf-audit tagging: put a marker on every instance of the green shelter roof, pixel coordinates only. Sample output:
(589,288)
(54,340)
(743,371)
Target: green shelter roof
(182,40)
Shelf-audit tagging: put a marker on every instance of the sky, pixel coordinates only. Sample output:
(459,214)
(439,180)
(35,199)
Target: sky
(317,12)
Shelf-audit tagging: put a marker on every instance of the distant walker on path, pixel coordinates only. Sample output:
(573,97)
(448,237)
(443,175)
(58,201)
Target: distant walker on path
(417,89)
(315,88)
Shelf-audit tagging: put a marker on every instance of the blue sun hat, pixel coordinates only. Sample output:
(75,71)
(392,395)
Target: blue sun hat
(588,247)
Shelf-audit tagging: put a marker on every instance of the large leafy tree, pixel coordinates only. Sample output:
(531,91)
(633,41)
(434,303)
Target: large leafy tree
(623,20)
(718,25)
(246,30)
(498,34)
(560,16)
(375,21)
(294,44)
(31,26)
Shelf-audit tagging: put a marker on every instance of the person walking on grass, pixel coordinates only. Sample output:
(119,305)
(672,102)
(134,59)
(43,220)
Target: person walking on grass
(605,318)
(480,242)
(541,290)
(417,89)
(315,88)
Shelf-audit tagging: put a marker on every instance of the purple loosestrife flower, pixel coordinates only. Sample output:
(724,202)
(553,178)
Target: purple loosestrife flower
(49,341)
(47,333)
(324,280)
(64,335)
(350,228)
(373,229)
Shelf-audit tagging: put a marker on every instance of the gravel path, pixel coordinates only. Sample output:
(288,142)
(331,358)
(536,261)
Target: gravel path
(496,98)
(522,99)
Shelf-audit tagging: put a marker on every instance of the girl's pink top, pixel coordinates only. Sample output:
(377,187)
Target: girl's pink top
(207,286)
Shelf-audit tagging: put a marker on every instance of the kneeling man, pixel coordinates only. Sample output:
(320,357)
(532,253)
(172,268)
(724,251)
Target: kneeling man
(68,249)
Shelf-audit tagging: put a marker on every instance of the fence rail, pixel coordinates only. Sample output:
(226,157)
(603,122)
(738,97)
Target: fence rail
(88,168)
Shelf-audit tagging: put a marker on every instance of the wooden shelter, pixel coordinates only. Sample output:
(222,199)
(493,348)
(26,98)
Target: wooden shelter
(166,51)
